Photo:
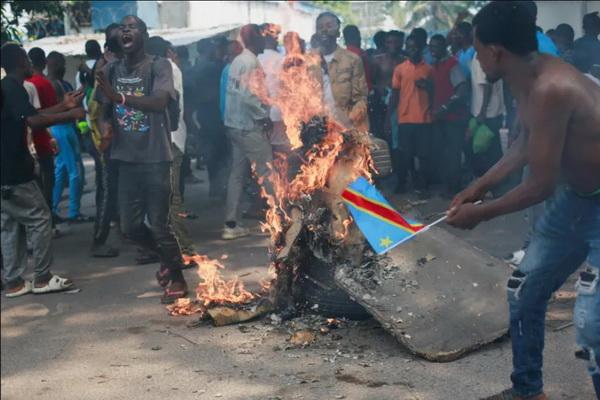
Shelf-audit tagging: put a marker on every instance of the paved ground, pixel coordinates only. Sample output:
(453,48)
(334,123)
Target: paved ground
(113,340)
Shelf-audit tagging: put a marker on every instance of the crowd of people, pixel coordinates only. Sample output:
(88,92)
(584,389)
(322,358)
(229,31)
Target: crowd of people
(143,111)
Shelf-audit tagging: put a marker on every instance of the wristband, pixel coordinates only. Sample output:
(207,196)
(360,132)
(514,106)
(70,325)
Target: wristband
(122,99)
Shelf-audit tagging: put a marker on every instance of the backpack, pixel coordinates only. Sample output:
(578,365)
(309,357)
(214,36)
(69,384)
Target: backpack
(173,111)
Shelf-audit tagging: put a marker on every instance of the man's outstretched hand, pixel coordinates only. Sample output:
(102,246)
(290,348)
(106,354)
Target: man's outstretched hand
(463,213)
(465,216)
(73,99)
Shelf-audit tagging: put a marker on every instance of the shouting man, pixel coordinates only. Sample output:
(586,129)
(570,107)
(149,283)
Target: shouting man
(559,109)
(135,92)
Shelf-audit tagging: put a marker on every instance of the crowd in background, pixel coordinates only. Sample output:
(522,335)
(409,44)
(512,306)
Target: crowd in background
(150,111)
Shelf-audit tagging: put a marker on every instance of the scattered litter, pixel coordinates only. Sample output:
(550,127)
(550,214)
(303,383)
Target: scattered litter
(302,338)
(475,284)
(424,260)
(156,348)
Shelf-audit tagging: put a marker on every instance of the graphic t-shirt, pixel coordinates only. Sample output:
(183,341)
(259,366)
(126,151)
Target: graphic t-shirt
(140,136)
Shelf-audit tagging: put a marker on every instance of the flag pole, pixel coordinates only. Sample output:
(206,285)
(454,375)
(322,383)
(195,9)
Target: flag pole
(426,228)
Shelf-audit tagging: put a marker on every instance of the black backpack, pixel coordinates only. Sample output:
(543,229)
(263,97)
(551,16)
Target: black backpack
(173,111)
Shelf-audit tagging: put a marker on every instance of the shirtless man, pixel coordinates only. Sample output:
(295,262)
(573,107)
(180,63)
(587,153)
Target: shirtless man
(382,71)
(559,110)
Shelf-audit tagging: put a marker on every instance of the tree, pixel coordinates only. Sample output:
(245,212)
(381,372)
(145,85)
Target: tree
(41,12)
(434,16)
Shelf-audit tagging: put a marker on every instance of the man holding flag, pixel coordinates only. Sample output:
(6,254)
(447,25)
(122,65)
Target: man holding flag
(558,107)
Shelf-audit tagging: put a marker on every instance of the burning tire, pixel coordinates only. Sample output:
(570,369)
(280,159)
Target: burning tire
(323,296)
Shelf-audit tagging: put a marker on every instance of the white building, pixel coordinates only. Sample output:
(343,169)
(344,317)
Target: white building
(552,13)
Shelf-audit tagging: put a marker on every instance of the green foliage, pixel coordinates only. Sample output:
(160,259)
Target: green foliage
(434,16)
(343,9)
(13,9)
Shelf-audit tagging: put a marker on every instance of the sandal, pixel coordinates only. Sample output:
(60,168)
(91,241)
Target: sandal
(23,291)
(188,215)
(175,291)
(55,284)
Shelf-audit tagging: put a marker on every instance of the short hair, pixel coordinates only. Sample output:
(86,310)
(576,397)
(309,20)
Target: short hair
(508,24)
(592,20)
(330,15)
(55,56)
(438,37)
(37,57)
(465,28)
(157,46)
(420,35)
(351,34)
(398,34)
(141,23)
(379,38)
(110,28)
(205,46)
(182,52)
(93,49)
(566,31)
(11,53)
(531,8)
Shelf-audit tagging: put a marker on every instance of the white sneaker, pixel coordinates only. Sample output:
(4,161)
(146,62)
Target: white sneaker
(234,233)
(516,257)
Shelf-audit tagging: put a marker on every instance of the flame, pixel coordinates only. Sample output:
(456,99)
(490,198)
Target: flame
(299,97)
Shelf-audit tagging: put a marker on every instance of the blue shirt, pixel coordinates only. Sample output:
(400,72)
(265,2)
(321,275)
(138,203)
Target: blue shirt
(427,57)
(545,44)
(223,90)
(465,57)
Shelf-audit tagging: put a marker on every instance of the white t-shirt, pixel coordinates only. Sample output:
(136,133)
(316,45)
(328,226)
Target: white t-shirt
(271,62)
(178,137)
(34,99)
(478,81)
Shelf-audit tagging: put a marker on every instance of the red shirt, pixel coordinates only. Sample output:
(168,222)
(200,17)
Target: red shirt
(47,94)
(446,76)
(360,53)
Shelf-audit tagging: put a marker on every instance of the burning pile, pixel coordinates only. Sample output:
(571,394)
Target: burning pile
(306,219)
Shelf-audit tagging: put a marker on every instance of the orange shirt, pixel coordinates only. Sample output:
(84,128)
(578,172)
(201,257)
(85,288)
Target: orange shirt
(413,107)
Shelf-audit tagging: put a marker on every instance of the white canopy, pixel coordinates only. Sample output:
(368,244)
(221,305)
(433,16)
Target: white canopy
(74,45)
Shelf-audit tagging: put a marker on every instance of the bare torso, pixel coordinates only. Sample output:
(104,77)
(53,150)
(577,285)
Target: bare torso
(384,70)
(579,97)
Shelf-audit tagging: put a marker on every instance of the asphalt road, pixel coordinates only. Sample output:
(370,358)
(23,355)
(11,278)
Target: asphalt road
(114,340)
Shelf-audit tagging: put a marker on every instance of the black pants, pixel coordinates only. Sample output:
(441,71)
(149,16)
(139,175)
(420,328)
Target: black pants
(415,140)
(46,177)
(145,189)
(107,178)
(217,152)
(447,153)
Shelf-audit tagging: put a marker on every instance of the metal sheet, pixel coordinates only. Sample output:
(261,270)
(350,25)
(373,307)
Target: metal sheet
(437,294)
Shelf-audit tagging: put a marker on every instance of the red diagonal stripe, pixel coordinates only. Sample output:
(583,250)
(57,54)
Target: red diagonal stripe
(383,212)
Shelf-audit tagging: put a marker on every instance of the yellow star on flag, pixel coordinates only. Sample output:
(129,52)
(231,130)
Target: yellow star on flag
(385,242)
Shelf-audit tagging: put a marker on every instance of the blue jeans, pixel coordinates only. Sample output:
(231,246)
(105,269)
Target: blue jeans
(67,164)
(567,234)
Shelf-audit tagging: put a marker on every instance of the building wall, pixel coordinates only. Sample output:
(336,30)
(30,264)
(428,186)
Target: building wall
(204,14)
(552,13)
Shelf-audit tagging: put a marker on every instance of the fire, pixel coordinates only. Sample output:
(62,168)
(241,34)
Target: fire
(300,100)
(212,289)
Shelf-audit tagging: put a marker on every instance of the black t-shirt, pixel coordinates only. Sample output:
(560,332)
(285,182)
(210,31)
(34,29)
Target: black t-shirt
(16,162)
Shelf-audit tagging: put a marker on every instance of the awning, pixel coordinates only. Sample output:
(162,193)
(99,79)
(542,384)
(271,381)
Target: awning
(74,45)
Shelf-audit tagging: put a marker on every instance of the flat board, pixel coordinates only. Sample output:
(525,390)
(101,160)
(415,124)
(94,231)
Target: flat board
(437,294)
